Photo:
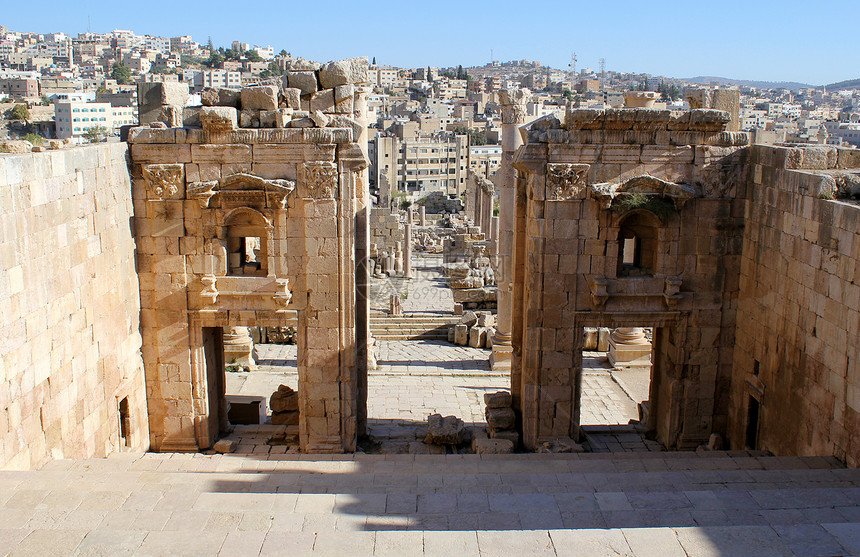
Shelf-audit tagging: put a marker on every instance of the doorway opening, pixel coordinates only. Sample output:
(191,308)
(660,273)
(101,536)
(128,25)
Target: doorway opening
(751,437)
(615,388)
(252,379)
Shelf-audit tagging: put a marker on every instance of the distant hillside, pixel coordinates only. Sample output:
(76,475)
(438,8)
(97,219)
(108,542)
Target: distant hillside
(849,84)
(791,85)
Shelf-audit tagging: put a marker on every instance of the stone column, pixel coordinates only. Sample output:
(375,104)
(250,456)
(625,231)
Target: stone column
(628,347)
(407,248)
(398,258)
(422,216)
(513,116)
(238,347)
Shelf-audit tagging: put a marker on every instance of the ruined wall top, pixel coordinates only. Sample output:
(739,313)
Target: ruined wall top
(636,126)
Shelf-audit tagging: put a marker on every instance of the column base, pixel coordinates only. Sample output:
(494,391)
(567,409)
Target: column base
(501,357)
(629,355)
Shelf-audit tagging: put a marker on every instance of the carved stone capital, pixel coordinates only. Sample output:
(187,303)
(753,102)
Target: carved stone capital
(319,180)
(671,292)
(209,294)
(565,181)
(164,181)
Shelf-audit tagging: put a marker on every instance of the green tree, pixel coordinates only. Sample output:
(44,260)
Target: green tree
(19,112)
(215,60)
(374,60)
(275,69)
(231,54)
(94,134)
(461,73)
(34,139)
(122,74)
(429,75)
(253,56)
(283,52)
(45,100)
(210,45)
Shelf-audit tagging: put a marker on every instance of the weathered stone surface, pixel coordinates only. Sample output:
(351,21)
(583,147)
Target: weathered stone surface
(493,446)
(500,418)
(249,118)
(477,337)
(344,72)
(292,97)
(285,399)
(448,430)
(285,418)
(561,445)
(322,101)
(167,93)
(470,318)
(468,282)
(709,120)
(320,119)
(218,118)
(261,97)
(340,121)
(306,82)
(510,434)
(220,96)
(191,116)
(486,294)
(500,399)
(224,446)
(486,319)
(461,335)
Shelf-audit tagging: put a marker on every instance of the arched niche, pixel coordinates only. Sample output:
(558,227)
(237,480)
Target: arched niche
(638,237)
(247,236)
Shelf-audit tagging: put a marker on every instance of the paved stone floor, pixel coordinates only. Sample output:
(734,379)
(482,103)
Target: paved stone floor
(666,504)
(418,378)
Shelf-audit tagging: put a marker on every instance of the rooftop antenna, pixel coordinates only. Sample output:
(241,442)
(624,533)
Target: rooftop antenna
(491,56)
(572,69)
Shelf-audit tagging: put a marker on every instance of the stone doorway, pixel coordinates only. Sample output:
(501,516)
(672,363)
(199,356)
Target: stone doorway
(614,394)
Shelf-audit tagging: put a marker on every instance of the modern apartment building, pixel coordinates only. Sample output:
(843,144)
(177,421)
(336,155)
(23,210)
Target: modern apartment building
(423,165)
(73,116)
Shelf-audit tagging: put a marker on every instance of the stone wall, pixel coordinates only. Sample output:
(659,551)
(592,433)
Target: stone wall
(386,230)
(69,338)
(797,351)
(582,185)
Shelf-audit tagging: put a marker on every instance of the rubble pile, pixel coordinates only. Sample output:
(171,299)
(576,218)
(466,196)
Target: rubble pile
(474,329)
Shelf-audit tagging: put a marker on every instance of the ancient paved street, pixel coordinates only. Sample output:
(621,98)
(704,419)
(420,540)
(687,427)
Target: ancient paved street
(668,504)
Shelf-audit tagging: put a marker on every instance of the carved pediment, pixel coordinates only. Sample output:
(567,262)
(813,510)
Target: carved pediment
(242,190)
(647,185)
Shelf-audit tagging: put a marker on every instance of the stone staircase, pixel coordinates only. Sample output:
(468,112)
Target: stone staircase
(663,503)
(420,326)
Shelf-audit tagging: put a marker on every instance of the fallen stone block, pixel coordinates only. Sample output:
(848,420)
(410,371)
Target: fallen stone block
(448,430)
(285,418)
(292,97)
(500,399)
(486,319)
(224,446)
(461,334)
(470,318)
(500,418)
(511,435)
(259,97)
(220,96)
(561,445)
(343,72)
(306,82)
(477,337)
(285,399)
(493,446)
(249,118)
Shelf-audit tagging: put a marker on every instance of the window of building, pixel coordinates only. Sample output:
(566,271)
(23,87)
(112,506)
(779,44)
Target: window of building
(637,245)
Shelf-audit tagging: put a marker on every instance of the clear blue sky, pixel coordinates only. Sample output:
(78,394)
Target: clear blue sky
(789,40)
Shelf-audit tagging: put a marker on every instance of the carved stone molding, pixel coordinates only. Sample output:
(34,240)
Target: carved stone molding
(671,292)
(599,293)
(282,295)
(320,179)
(164,181)
(209,292)
(565,181)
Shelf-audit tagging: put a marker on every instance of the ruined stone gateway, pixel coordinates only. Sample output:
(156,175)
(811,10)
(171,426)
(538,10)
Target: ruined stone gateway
(744,260)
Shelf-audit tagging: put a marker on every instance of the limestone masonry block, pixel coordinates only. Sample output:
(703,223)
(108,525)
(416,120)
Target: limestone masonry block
(306,82)
(220,96)
(500,399)
(261,97)
(219,118)
(344,72)
(292,97)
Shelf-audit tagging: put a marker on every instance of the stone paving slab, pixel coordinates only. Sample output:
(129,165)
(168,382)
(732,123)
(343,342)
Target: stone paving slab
(689,504)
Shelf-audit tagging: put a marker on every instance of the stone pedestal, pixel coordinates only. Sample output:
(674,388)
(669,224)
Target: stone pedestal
(628,347)
(238,347)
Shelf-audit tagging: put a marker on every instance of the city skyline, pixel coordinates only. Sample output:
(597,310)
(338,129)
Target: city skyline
(766,42)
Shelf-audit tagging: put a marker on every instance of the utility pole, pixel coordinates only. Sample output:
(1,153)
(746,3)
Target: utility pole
(602,71)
